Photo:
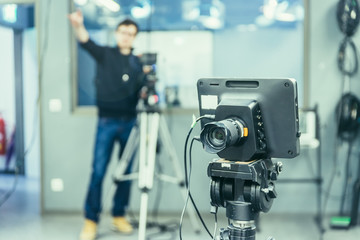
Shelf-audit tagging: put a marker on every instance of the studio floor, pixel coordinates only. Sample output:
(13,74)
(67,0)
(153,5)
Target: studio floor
(20,219)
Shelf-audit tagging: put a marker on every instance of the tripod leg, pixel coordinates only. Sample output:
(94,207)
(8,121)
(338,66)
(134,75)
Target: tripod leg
(166,140)
(129,151)
(148,138)
(142,172)
(143,214)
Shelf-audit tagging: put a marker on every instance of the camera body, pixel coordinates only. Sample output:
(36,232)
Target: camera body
(254,118)
(237,116)
(149,59)
(152,99)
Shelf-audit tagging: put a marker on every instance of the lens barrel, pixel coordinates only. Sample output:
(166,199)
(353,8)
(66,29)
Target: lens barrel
(216,136)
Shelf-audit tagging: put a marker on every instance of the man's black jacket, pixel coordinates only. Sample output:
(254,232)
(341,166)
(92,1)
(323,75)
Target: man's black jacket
(119,79)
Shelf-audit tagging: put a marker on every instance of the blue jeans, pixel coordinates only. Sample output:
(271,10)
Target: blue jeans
(109,130)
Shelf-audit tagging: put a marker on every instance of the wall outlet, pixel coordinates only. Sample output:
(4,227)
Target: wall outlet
(55,105)
(57,185)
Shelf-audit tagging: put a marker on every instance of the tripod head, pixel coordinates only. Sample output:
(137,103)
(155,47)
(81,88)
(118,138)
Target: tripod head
(150,98)
(255,120)
(245,189)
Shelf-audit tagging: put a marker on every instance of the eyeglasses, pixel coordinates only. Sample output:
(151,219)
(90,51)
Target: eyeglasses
(130,34)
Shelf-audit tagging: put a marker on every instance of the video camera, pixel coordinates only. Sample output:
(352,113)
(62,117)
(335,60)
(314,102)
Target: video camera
(255,120)
(152,98)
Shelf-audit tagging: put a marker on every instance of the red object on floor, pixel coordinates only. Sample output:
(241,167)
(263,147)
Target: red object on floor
(2,137)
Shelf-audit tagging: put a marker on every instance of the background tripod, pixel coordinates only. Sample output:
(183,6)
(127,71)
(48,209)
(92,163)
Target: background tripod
(144,136)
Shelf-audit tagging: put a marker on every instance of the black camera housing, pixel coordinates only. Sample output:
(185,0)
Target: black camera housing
(149,59)
(254,146)
(268,107)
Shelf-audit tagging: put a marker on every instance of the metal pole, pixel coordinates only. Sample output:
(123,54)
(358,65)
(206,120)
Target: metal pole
(19,101)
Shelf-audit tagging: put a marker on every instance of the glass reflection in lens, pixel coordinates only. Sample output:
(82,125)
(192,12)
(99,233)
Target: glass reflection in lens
(217,137)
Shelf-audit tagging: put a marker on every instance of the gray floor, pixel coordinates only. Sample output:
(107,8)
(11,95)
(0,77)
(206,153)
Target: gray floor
(20,219)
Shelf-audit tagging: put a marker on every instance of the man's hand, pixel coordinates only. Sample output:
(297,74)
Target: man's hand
(147,69)
(77,21)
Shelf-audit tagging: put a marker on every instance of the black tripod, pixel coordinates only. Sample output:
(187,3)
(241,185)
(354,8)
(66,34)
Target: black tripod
(245,189)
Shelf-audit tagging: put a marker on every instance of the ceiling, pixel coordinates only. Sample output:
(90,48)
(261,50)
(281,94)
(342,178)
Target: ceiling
(192,14)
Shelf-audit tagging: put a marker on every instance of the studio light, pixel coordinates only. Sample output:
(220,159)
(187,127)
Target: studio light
(109,4)
(81,2)
(10,13)
(279,11)
(212,14)
(141,9)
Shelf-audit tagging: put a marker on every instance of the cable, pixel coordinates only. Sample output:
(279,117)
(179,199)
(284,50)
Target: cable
(187,178)
(216,222)
(187,181)
(341,57)
(191,198)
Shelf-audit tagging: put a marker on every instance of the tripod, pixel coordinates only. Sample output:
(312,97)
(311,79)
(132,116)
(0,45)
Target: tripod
(145,135)
(245,189)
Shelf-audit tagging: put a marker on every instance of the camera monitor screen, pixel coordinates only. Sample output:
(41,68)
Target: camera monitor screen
(254,118)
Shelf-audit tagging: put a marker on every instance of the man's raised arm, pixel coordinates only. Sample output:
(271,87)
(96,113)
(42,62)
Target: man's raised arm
(77,22)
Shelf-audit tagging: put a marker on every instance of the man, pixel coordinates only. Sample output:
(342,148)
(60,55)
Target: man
(118,82)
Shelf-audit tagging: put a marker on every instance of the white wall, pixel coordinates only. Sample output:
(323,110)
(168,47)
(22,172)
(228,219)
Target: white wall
(182,58)
(262,53)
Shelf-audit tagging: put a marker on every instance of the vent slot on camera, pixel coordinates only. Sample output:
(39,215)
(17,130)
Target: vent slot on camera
(242,84)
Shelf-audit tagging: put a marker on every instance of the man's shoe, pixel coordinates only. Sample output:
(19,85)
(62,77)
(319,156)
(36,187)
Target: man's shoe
(89,230)
(122,225)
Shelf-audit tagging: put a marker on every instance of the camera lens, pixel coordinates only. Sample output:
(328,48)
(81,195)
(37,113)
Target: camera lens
(217,136)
